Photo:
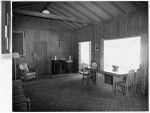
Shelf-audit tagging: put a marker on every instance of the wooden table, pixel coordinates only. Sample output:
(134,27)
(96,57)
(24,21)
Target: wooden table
(116,75)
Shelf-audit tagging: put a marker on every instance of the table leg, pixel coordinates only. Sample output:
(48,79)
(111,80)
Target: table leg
(114,87)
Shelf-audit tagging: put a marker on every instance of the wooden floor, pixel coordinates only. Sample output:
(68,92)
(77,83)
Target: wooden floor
(66,93)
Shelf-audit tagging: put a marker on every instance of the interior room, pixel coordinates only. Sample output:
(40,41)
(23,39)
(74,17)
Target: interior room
(80,56)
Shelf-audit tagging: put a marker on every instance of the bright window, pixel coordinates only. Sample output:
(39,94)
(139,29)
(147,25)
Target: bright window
(85,53)
(122,52)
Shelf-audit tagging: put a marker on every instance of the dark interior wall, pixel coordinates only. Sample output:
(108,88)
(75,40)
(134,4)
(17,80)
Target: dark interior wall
(43,31)
(135,24)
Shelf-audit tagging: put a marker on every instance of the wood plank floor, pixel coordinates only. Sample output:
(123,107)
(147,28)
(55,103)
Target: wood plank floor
(66,93)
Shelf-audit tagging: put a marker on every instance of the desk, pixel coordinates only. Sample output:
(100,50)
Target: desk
(100,77)
(115,75)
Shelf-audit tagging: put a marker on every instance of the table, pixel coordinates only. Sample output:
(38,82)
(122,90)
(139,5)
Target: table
(115,75)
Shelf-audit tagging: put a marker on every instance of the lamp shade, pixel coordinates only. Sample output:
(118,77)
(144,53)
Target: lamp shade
(15,55)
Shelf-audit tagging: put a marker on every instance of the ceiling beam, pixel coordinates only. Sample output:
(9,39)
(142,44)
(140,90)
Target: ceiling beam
(67,11)
(63,13)
(118,7)
(50,16)
(68,23)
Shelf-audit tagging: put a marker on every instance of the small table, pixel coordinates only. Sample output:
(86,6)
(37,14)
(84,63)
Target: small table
(115,75)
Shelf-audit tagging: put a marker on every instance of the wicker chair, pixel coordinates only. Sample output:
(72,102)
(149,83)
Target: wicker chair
(25,72)
(126,85)
(19,100)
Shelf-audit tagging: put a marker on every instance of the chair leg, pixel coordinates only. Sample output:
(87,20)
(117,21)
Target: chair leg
(28,104)
(87,83)
(115,88)
(126,94)
(82,81)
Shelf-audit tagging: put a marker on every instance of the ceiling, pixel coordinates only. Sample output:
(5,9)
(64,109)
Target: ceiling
(78,14)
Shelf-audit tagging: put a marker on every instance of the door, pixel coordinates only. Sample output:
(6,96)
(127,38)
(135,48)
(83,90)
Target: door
(40,57)
(84,53)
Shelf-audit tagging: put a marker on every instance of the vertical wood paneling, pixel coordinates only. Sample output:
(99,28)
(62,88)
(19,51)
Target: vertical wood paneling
(123,28)
(117,29)
(42,30)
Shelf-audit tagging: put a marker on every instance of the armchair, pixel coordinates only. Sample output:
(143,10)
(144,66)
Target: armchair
(19,100)
(25,72)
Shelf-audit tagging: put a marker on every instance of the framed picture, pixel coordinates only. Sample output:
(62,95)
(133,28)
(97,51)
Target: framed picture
(96,47)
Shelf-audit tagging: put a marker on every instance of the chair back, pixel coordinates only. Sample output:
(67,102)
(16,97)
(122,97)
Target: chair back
(130,77)
(84,65)
(23,67)
(94,65)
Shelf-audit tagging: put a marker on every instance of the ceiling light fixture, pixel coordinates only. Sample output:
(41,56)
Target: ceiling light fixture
(45,11)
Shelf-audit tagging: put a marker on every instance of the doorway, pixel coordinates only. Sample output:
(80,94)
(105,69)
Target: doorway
(84,53)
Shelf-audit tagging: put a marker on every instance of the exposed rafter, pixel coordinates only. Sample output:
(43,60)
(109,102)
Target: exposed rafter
(64,12)
(50,16)
(68,23)
(67,11)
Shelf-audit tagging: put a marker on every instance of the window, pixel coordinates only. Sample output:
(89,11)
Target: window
(122,52)
(84,53)
(17,42)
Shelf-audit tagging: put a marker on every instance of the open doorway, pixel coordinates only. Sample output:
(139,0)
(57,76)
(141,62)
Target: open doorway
(84,53)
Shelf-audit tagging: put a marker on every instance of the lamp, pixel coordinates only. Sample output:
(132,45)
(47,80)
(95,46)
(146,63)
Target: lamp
(45,11)
(15,56)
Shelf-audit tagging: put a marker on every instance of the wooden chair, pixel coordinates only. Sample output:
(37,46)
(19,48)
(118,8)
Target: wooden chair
(89,74)
(85,72)
(126,85)
(25,72)
(93,72)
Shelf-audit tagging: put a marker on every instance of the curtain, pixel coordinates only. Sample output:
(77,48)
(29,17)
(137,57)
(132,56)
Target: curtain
(144,64)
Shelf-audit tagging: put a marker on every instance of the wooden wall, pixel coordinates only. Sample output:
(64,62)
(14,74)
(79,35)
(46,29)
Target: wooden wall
(135,24)
(43,31)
